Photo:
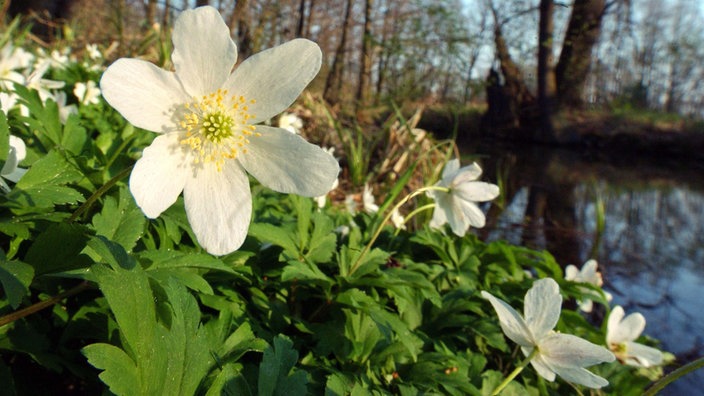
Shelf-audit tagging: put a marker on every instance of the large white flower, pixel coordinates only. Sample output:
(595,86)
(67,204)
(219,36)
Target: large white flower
(565,355)
(588,274)
(621,334)
(10,170)
(205,114)
(458,206)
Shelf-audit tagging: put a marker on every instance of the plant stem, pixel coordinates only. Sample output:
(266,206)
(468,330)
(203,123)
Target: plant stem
(42,304)
(515,372)
(98,193)
(405,199)
(666,380)
(413,213)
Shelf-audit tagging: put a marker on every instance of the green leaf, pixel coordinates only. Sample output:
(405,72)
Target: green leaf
(275,372)
(4,139)
(277,235)
(299,270)
(74,136)
(120,220)
(15,277)
(119,370)
(8,383)
(43,186)
(58,249)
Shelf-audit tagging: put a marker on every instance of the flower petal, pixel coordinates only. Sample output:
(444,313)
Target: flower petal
(539,365)
(466,174)
(621,330)
(543,303)
(275,77)
(159,176)
(143,93)
(203,53)
(219,207)
(642,355)
(287,163)
(477,191)
(451,167)
(566,350)
(439,213)
(15,155)
(511,322)
(580,376)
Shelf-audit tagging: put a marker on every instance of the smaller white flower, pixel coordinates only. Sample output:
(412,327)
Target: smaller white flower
(87,93)
(351,204)
(7,101)
(588,274)
(42,85)
(321,200)
(458,206)
(10,170)
(560,354)
(368,200)
(93,51)
(64,110)
(291,122)
(621,334)
(398,220)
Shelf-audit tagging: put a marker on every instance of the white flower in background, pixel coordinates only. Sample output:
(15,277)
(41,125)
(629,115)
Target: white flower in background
(64,110)
(10,170)
(398,220)
(621,334)
(368,200)
(321,200)
(205,115)
(7,101)
(11,60)
(588,274)
(41,85)
(93,51)
(351,204)
(458,206)
(291,122)
(87,93)
(560,354)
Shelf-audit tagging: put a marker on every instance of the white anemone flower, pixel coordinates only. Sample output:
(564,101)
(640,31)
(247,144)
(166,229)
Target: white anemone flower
(206,114)
(621,334)
(10,170)
(398,220)
(291,122)
(87,93)
(588,274)
(458,206)
(64,110)
(560,354)
(368,200)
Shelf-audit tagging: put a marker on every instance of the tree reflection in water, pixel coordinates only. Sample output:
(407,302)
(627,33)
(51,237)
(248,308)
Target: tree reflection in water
(650,250)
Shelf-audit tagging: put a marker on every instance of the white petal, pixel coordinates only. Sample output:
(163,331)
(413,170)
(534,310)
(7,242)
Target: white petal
(540,366)
(642,355)
(441,202)
(571,272)
(159,176)
(144,94)
(275,77)
(203,53)
(451,167)
(467,174)
(622,330)
(580,376)
(473,215)
(15,175)
(542,306)
(511,321)
(457,215)
(19,148)
(287,163)
(219,207)
(476,191)
(567,350)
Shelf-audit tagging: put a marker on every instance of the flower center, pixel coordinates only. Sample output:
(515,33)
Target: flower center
(216,127)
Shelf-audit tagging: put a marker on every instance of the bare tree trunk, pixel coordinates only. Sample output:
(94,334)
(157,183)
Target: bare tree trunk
(581,36)
(365,72)
(546,73)
(150,11)
(240,26)
(309,19)
(301,18)
(200,3)
(333,83)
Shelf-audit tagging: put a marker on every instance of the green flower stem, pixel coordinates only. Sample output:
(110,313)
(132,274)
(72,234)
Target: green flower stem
(413,213)
(666,380)
(9,318)
(99,193)
(515,372)
(405,199)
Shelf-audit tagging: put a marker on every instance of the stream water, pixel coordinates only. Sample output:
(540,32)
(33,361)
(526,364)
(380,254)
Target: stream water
(650,248)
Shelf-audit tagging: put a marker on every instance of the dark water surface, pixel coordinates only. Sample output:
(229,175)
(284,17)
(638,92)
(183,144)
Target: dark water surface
(650,248)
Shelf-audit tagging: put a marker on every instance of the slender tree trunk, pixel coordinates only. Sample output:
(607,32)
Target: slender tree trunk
(150,11)
(365,72)
(309,18)
(200,3)
(240,26)
(301,18)
(333,83)
(546,73)
(581,36)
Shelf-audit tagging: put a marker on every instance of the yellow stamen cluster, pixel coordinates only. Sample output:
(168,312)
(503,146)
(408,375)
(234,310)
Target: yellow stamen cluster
(216,127)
